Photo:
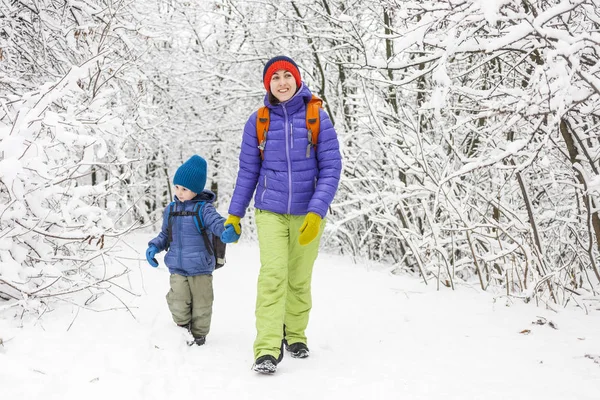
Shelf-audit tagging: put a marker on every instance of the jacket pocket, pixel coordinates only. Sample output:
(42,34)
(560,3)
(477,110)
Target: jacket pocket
(210,260)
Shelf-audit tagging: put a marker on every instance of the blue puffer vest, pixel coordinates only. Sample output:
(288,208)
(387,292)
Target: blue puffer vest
(187,253)
(287,181)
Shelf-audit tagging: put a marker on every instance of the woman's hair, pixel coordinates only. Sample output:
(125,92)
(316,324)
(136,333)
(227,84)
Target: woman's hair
(272,99)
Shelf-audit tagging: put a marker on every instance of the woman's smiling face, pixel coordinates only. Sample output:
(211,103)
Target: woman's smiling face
(283,85)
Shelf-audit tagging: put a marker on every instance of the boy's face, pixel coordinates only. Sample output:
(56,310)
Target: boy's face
(183,193)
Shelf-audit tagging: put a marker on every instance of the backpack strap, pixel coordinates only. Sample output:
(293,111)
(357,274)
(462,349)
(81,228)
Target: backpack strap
(199,221)
(313,125)
(174,213)
(170,224)
(262,127)
(313,122)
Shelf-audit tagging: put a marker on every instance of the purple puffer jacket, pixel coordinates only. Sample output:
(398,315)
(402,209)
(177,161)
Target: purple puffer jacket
(188,255)
(288,181)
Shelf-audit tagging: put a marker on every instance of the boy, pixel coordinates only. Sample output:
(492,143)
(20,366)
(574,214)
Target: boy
(190,298)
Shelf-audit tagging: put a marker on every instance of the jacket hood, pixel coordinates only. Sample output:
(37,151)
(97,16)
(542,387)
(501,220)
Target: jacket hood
(205,195)
(301,97)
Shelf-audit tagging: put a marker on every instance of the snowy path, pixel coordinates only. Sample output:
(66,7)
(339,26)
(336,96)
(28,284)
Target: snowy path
(372,336)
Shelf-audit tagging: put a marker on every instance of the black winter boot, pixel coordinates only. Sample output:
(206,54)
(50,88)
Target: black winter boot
(198,341)
(185,326)
(266,364)
(298,350)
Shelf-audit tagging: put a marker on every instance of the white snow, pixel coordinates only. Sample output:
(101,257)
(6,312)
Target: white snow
(372,335)
(490,9)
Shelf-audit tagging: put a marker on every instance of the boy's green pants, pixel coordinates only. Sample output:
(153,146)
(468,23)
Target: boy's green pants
(190,300)
(283,292)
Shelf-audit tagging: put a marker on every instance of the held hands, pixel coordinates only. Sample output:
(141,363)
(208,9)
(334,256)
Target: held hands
(234,221)
(229,235)
(233,229)
(310,228)
(150,253)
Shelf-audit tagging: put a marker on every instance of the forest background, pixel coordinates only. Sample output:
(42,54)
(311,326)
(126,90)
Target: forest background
(469,132)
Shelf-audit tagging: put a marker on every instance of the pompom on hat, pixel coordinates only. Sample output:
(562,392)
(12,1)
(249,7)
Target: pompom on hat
(277,63)
(192,174)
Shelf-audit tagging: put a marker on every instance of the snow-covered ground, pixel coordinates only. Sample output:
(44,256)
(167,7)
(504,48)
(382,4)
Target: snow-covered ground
(372,336)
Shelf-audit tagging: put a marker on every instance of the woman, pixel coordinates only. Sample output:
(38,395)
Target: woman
(295,183)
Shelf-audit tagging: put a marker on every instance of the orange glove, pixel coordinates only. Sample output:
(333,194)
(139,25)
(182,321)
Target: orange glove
(310,228)
(234,221)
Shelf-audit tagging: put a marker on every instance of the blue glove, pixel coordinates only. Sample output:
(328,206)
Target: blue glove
(150,253)
(229,235)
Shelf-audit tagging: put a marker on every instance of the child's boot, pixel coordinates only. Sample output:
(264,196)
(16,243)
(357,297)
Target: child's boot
(185,326)
(198,341)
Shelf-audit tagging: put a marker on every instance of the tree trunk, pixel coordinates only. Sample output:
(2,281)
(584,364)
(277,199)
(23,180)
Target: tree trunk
(587,199)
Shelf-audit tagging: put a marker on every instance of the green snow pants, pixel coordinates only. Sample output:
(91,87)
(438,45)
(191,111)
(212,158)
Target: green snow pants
(190,300)
(283,292)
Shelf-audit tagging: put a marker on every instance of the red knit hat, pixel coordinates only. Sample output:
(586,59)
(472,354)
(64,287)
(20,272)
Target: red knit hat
(277,63)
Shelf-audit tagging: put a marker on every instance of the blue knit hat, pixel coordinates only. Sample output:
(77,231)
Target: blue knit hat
(192,174)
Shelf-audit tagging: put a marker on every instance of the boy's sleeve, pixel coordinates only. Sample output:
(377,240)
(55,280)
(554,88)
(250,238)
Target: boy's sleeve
(213,221)
(161,240)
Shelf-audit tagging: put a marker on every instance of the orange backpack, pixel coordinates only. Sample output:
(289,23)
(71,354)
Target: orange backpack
(313,124)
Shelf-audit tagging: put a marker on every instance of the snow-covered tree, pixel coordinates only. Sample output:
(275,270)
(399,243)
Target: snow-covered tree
(67,144)
(497,152)
(468,128)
